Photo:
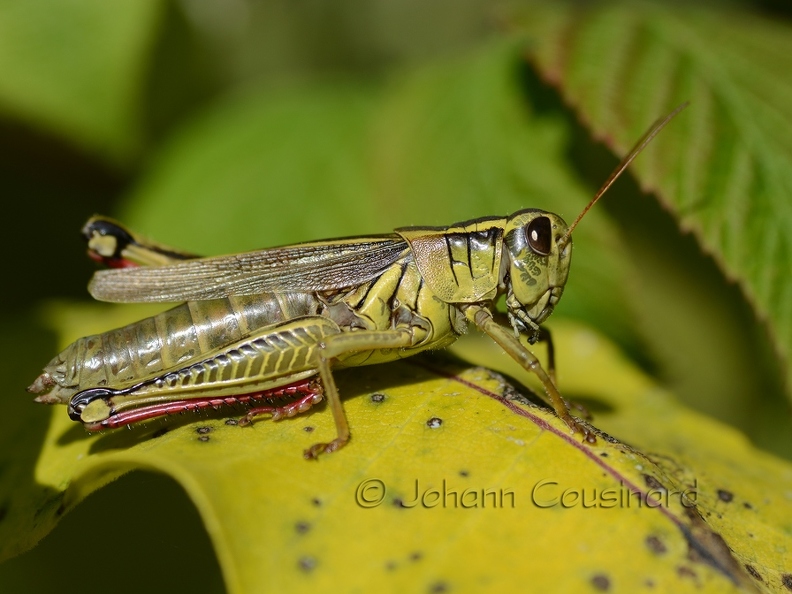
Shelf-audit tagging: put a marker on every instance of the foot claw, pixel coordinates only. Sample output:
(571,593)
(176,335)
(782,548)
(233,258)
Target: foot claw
(577,427)
(313,452)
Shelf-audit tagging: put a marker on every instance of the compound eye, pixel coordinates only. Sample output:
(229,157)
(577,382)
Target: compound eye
(539,234)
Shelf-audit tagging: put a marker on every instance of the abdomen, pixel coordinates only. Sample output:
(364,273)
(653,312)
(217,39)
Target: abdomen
(172,340)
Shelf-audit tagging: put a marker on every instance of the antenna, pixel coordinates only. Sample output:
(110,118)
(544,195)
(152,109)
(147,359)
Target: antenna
(640,145)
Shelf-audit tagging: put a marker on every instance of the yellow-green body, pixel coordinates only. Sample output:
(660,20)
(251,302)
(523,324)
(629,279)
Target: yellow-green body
(263,320)
(434,282)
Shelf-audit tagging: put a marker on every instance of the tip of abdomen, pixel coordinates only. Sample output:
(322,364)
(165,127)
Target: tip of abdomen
(48,390)
(43,383)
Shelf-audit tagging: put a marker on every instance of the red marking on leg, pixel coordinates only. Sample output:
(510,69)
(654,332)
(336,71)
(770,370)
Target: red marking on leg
(307,392)
(292,409)
(111,262)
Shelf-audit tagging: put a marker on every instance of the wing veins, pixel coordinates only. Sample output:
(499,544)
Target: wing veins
(314,266)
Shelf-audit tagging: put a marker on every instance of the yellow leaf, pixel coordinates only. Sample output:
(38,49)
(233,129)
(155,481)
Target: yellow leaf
(454,482)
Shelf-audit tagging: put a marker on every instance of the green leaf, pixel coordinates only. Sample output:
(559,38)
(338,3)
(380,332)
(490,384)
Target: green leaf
(724,168)
(262,169)
(77,68)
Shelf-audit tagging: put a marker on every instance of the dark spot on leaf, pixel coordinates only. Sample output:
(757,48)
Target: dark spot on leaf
(160,432)
(656,545)
(390,565)
(203,430)
(416,556)
(438,587)
(434,422)
(3,512)
(316,501)
(231,422)
(601,582)
(786,579)
(653,483)
(464,473)
(725,496)
(649,583)
(377,397)
(747,505)
(308,429)
(203,438)
(683,571)
(302,527)
(604,454)
(306,563)
(61,509)
(754,574)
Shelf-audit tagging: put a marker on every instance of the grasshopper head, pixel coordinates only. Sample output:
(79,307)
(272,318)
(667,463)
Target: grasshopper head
(539,245)
(539,251)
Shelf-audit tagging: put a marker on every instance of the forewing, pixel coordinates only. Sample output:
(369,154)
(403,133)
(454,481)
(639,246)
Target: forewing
(316,266)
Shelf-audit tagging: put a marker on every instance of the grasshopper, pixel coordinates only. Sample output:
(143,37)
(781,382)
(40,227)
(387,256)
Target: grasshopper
(267,325)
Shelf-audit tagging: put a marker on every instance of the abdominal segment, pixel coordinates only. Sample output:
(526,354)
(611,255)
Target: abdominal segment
(198,341)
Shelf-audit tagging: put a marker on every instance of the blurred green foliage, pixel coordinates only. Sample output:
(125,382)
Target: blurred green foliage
(200,121)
